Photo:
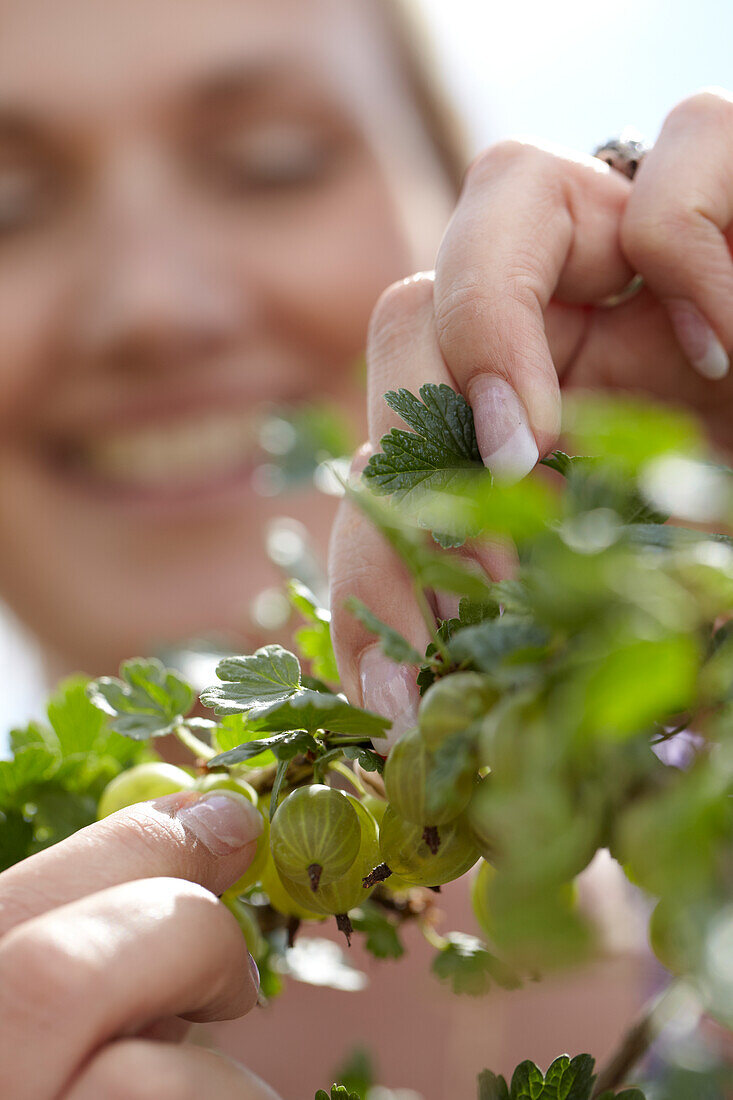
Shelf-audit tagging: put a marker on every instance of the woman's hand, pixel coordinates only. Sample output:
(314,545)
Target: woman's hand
(111,940)
(513,313)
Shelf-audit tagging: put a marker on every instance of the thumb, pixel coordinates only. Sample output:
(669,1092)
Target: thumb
(207,838)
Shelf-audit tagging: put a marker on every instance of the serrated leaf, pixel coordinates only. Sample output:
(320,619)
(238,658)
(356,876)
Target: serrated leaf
(147,701)
(314,710)
(367,758)
(441,447)
(394,645)
(382,937)
(284,745)
(254,682)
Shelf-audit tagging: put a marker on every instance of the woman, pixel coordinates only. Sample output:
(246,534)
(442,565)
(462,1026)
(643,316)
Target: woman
(200,205)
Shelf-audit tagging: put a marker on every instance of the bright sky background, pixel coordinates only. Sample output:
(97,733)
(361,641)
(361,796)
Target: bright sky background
(576,72)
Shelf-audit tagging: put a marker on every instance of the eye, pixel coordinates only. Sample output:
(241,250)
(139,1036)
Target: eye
(23,196)
(272,158)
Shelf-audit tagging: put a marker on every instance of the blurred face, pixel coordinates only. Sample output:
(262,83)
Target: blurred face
(200,201)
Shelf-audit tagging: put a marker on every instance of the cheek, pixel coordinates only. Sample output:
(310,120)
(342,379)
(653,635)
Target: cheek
(31,294)
(325,266)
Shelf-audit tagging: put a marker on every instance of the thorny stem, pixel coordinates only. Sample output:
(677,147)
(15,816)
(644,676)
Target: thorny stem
(640,1036)
(198,748)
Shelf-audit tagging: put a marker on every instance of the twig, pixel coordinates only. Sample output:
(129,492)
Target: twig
(639,1038)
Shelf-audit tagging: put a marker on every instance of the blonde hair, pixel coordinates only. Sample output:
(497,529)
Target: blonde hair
(416,54)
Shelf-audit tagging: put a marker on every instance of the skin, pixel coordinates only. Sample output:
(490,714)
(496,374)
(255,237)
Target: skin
(142,295)
(157,275)
(150,276)
(512,315)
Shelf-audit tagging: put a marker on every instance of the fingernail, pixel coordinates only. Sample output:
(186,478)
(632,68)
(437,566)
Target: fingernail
(224,821)
(255,971)
(698,341)
(391,690)
(504,436)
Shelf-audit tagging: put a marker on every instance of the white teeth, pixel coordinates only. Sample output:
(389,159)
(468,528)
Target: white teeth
(180,453)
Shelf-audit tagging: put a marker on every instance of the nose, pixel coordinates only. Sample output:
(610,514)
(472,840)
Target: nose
(156,293)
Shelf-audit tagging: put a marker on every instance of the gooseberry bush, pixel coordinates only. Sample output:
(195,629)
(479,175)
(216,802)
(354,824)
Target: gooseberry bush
(585,703)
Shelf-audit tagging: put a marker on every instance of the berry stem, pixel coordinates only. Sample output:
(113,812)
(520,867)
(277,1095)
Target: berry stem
(195,746)
(344,925)
(379,874)
(431,836)
(314,874)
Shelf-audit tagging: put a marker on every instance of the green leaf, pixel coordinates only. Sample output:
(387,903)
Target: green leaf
(627,432)
(284,745)
(16,835)
(394,645)
(149,700)
(29,768)
(441,446)
(255,682)
(368,759)
(569,1080)
(314,640)
(338,1092)
(266,686)
(491,1087)
(81,727)
(496,641)
(59,814)
(634,685)
(282,768)
(527,1082)
(465,965)
(382,935)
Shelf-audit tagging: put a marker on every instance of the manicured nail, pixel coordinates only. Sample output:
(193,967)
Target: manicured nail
(224,821)
(255,971)
(505,438)
(390,690)
(698,341)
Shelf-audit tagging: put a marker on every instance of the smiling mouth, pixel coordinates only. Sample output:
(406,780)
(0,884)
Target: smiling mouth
(170,459)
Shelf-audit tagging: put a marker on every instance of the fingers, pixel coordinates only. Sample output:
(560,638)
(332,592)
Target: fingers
(79,976)
(531,225)
(134,1069)
(674,227)
(363,565)
(402,348)
(209,839)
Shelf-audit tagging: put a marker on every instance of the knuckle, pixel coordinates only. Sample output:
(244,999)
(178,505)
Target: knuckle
(397,307)
(650,235)
(498,158)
